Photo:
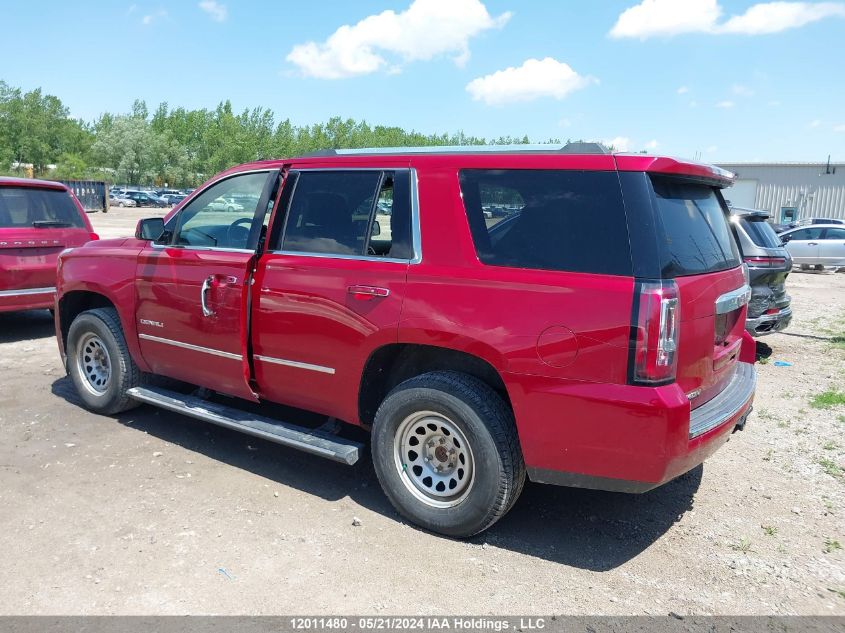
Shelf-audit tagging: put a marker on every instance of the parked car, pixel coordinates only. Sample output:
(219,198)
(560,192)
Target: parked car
(225,204)
(768,264)
(173,198)
(146,199)
(38,220)
(816,246)
(122,201)
(476,356)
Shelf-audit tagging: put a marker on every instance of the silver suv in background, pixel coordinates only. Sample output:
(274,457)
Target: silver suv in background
(769,264)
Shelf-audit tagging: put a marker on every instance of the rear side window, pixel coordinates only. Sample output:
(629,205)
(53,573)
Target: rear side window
(352,213)
(548,219)
(761,233)
(694,236)
(26,207)
(834,234)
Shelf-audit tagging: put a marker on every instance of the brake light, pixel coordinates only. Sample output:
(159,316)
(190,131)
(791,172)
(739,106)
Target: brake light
(765,262)
(93,236)
(657,331)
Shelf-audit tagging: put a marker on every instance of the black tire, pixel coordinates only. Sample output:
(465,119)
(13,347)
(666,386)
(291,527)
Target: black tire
(102,324)
(488,427)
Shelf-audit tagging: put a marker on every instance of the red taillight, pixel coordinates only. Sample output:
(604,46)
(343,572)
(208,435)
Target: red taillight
(765,262)
(657,328)
(93,236)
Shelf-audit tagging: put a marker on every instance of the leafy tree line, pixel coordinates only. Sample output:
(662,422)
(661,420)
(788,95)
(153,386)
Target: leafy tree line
(174,145)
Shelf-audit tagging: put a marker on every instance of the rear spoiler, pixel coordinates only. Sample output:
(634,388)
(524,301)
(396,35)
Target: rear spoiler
(702,172)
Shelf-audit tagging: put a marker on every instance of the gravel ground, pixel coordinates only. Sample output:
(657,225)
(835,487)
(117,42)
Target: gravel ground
(152,513)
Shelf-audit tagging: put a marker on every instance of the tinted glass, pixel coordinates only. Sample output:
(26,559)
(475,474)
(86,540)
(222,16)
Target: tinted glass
(694,235)
(835,234)
(25,207)
(805,234)
(548,219)
(331,212)
(221,216)
(761,233)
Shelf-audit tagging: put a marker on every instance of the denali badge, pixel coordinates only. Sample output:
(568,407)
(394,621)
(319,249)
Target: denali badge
(152,323)
(692,395)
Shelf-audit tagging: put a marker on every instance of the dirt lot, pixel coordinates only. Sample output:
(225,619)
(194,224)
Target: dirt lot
(155,513)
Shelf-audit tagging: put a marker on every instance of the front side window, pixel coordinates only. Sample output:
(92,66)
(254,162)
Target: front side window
(222,215)
(806,234)
(561,220)
(350,213)
(28,207)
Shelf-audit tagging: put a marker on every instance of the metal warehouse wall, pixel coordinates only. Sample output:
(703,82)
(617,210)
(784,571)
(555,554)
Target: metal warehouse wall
(804,186)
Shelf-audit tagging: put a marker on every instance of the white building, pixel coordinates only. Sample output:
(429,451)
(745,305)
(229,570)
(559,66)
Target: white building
(789,191)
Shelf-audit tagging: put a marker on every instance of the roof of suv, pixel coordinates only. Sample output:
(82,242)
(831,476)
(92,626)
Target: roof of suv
(6,181)
(489,157)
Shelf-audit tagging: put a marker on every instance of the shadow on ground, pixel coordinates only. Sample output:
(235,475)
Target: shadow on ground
(591,530)
(24,326)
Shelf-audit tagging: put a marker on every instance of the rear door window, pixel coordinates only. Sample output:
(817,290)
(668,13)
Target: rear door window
(350,213)
(694,236)
(27,207)
(761,233)
(548,219)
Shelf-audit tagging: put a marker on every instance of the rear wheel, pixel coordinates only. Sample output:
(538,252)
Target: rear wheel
(99,362)
(446,452)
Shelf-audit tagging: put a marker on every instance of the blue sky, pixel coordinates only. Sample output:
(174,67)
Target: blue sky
(725,80)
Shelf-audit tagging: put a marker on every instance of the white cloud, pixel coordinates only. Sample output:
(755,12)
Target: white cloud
(215,10)
(426,29)
(619,143)
(564,122)
(773,17)
(651,145)
(774,103)
(839,128)
(712,149)
(682,90)
(536,78)
(665,18)
(152,17)
(815,123)
(725,104)
(742,91)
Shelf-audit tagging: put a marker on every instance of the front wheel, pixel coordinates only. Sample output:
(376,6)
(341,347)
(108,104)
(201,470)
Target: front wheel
(446,452)
(99,362)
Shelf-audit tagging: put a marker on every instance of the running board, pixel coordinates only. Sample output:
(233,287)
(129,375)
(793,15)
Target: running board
(304,439)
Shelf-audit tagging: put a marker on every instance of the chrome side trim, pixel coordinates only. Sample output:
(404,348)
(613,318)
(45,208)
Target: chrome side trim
(295,363)
(193,348)
(416,238)
(26,291)
(734,299)
(359,258)
(734,398)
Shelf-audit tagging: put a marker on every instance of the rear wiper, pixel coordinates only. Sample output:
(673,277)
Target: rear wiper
(44,224)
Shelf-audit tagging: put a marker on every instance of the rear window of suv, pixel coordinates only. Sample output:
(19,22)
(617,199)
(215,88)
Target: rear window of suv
(694,237)
(28,207)
(761,232)
(548,219)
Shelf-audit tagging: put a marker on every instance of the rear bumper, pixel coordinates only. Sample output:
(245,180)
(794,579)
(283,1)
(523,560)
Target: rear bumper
(620,437)
(27,299)
(768,323)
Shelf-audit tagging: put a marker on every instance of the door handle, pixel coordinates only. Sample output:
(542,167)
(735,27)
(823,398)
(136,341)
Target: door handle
(367,293)
(812,243)
(206,285)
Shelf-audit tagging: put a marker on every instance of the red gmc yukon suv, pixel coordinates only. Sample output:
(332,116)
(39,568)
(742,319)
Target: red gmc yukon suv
(38,220)
(576,318)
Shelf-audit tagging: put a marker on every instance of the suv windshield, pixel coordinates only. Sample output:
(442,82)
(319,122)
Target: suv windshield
(27,207)
(695,235)
(760,232)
